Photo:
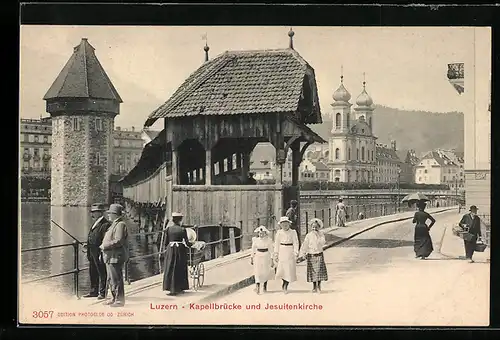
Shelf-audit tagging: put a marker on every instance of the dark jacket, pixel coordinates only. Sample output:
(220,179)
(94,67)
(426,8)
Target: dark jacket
(291,213)
(474,224)
(176,233)
(95,237)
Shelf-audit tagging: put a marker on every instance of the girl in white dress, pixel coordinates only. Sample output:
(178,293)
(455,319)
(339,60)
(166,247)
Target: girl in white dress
(262,260)
(312,250)
(341,213)
(286,250)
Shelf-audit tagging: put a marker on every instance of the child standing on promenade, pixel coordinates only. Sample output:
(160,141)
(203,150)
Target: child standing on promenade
(262,260)
(286,250)
(312,250)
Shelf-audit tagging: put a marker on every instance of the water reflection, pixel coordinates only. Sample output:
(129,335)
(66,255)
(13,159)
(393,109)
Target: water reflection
(38,231)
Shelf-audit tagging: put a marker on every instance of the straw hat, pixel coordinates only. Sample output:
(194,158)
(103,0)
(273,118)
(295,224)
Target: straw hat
(284,219)
(317,220)
(116,209)
(261,228)
(177,214)
(191,235)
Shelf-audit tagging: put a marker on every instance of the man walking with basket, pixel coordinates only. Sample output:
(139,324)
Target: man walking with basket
(471,223)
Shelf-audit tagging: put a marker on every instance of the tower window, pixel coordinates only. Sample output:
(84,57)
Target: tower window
(349,153)
(363,153)
(357,154)
(98,124)
(338,119)
(76,124)
(337,153)
(98,158)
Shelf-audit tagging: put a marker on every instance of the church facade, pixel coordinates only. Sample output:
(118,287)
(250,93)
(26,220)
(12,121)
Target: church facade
(351,144)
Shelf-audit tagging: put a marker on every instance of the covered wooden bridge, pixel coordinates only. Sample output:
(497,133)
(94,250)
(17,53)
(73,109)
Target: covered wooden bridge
(199,163)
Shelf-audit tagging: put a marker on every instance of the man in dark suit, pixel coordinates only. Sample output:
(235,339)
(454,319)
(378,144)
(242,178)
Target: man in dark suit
(473,223)
(97,268)
(115,253)
(292,214)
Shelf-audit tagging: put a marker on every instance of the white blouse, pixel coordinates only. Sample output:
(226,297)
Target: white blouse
(286,237)
(262,243)
(313,243)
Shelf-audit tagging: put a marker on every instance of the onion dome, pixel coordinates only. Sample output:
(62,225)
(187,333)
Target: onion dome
(341,94)
(364,98)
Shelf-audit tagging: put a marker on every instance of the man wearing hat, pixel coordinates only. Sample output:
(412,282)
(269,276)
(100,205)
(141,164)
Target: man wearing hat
(97,268)
(292,215)
(115,253)
(473,223)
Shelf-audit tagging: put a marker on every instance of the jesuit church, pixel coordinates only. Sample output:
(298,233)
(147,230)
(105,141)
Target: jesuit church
(352,145)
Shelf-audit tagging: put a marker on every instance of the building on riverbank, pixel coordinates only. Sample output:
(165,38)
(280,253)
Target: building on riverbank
(388,164)
(472,80)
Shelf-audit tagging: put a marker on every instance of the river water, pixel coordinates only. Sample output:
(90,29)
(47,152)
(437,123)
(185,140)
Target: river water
(38,231)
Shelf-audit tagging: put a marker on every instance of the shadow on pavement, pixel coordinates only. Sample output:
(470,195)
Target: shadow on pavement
(375,243)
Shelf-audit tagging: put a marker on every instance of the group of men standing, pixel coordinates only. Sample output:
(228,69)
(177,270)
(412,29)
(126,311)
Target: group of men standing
(107,252)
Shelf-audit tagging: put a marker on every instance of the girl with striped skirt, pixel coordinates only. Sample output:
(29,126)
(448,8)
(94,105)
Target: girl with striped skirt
(262,258)
(312,250)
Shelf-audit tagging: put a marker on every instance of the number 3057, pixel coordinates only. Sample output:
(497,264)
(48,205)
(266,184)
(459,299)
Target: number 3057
(46,314)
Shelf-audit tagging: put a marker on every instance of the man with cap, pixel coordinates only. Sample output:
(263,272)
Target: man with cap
(292,215)
(97,267)
(115,253)
(472,223)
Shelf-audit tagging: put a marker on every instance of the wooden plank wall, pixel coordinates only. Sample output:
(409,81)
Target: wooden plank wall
(149,190)
(243,206)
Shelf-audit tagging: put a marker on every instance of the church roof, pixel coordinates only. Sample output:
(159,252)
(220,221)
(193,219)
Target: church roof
(83,77)
(361,128)
(244,82)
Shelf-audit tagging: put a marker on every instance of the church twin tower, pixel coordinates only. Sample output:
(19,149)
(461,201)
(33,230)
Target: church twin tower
(352,145)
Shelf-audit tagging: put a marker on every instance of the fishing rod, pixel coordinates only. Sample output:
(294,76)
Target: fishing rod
(67,233)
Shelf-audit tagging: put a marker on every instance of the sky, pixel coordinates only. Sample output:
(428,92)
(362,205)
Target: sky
(405,67)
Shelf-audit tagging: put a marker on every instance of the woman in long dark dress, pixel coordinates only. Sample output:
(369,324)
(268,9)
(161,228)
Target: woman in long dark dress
(423,242)
(175,271)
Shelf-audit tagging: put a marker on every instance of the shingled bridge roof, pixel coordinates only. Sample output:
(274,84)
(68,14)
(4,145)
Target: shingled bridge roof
(244,82)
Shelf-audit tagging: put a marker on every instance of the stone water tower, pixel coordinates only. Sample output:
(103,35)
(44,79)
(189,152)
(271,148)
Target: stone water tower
(83,104)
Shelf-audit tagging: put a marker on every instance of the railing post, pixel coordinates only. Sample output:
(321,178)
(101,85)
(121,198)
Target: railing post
(314,213)
(329,217)
(125,272)
(323,215)
(76,268)
(221,246)
(241,235)
(307,225)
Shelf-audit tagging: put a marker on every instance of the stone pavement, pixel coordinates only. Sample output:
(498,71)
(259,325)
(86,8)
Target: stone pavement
(222,276)
(375,280)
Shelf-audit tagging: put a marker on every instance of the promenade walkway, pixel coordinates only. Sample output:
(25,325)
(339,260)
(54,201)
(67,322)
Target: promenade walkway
(223,276)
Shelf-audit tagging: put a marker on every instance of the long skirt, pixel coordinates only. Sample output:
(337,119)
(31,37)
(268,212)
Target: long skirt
(286,268)
(423,242)
(175,275)
(316,268)
(341,218)
(262,269)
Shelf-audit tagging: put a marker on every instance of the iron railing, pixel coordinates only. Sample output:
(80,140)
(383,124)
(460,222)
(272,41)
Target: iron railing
(486,221)
(75,271)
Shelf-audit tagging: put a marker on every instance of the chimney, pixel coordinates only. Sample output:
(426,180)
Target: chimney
(118,128)
(393,145)
(133,128)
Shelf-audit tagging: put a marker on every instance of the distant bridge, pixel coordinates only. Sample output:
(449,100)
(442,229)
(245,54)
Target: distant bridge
(376,193)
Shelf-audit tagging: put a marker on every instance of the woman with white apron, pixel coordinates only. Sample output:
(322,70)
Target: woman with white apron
(262,260)
(286,250)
